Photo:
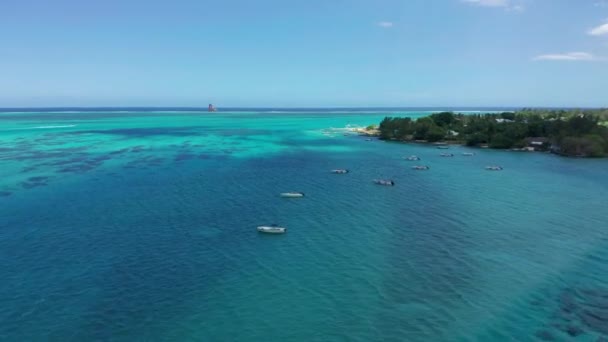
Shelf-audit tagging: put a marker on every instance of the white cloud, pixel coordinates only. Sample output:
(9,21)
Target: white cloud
(386,24)
(570,56)
(601,30)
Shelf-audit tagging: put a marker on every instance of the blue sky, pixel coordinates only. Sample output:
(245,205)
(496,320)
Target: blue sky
(304,53)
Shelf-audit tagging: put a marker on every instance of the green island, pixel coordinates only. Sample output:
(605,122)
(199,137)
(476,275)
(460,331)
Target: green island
(573,133)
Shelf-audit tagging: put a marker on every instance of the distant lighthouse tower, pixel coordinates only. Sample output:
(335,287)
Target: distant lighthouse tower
(211,108)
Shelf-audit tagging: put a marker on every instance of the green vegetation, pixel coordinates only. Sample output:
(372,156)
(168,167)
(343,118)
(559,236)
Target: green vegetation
(582,133)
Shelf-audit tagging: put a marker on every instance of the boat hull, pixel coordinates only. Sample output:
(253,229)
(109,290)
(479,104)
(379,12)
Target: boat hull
(384,182)
(272,230)
(292,195)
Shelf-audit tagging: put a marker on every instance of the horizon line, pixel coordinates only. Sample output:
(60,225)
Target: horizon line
(292,108)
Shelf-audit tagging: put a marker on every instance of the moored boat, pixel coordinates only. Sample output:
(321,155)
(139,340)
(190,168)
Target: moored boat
(340,171)
(494,168)
(421,167)
(447,154)
(292,194)
(386,182)
(412,158)
(273,229)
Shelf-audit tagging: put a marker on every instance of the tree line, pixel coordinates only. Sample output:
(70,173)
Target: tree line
(581,133)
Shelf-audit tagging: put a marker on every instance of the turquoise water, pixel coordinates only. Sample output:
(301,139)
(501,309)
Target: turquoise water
(138,226)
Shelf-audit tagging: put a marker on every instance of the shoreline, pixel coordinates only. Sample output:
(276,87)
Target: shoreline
(376,133)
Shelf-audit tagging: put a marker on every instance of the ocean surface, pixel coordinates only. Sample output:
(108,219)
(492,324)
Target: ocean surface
(128,225)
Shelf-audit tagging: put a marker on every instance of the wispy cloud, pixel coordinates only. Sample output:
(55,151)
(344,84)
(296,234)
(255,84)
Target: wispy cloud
(386,24)
(570,56)
(602,3)
(601,30)
(509,5)
(489,3)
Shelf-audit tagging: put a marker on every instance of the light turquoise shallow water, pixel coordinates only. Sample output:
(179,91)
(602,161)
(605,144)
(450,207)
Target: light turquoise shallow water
(141,226)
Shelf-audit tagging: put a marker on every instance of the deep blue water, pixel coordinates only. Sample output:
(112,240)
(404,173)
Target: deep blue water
(141,227)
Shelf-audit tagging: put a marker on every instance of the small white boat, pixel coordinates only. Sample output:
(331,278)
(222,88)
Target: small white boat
(494,168)
(292,194)
(386,182)
(468,154)
(421,167)
(272,229)
(339,171)
(412,158)
(447,154)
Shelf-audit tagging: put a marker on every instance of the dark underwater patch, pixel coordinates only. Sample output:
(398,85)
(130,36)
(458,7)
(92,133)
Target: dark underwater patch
(28,153)
(48,141)
(82,164)
(581,311)
(69,161)
(29,169)
(221,157)
(545,335)
(145,132)
(78,162)
(184,156)
(34,182)
(155,161)
(38,179)
(25,155)
(78,168)
(102,158)
(142,163)
(137,149)
(121,151)
(244,132)
(5,193)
